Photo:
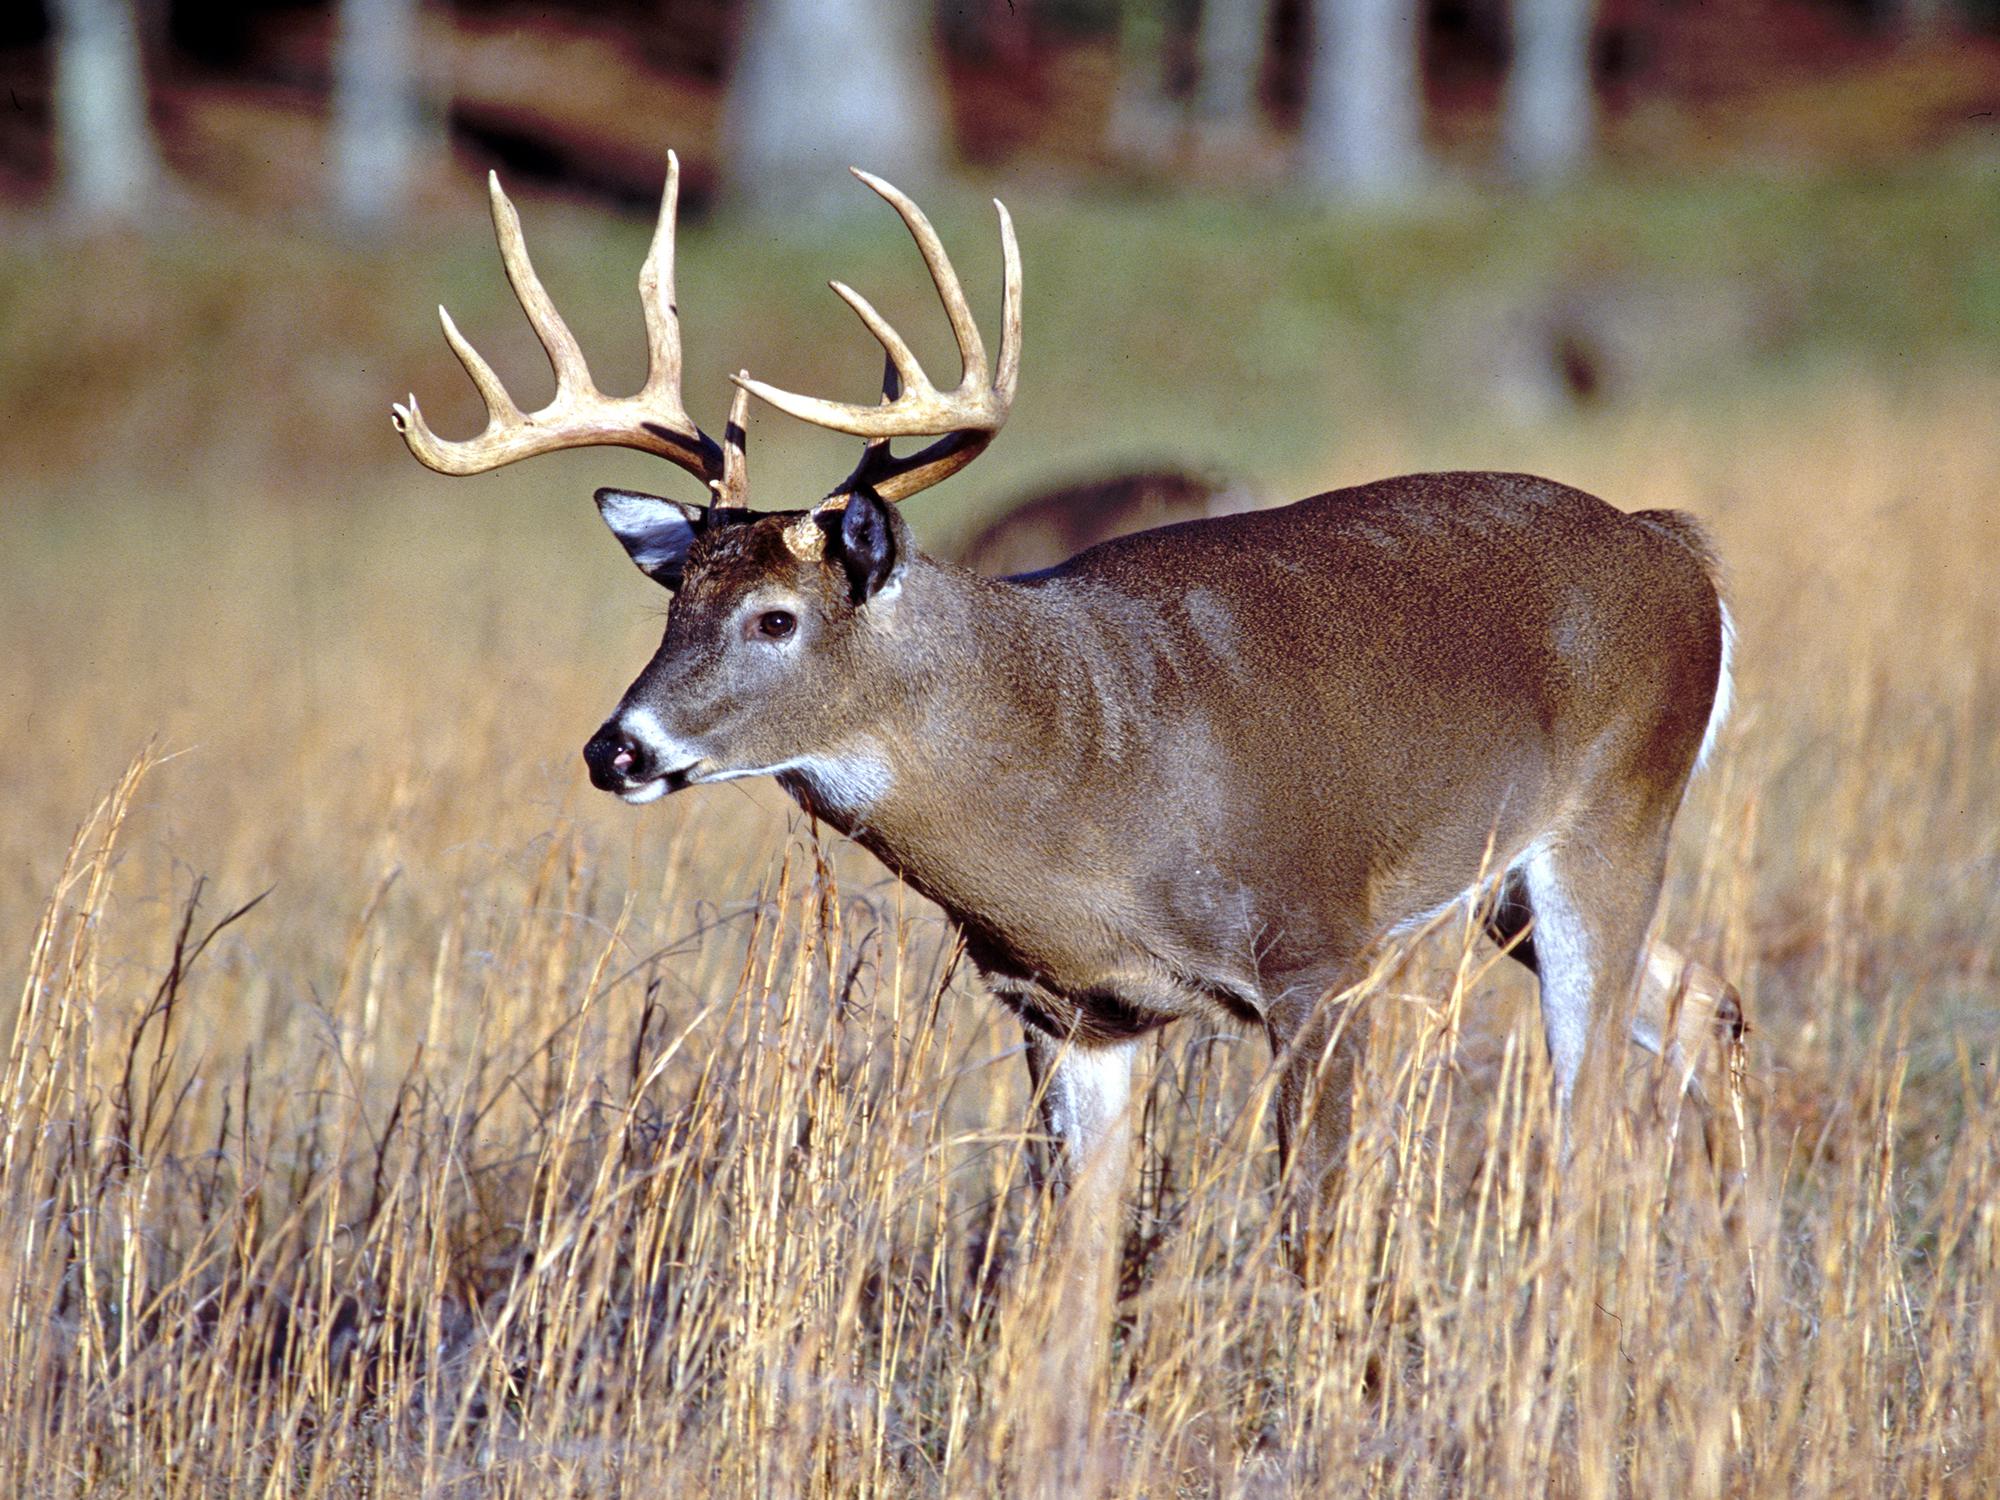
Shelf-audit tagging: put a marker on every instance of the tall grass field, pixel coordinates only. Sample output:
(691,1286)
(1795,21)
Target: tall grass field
(385,1113)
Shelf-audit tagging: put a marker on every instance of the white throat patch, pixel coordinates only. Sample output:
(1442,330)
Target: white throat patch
(850,784)
(845,783)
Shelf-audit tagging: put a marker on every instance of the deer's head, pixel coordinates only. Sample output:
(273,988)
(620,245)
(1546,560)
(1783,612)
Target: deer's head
(779,643)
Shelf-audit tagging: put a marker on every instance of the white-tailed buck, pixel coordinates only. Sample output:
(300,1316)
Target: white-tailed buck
(1206,770)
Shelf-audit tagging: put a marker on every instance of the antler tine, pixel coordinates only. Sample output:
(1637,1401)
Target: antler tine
(1009,378)
(579,415)
(951,292)
(875,451)
(969,416)
(896,353)
(565,354)
(656,298)
(732,490)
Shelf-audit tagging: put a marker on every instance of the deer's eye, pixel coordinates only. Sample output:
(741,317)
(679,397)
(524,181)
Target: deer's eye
(776,624)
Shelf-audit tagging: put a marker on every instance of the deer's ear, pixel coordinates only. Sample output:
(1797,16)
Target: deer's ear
(656,532)
(873,544)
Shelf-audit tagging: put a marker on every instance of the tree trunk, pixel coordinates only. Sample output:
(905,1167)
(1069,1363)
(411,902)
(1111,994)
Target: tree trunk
(1549,117)
(1362,137)
(376,110)
(822,85)
(1230,48)
(1922,22)
(1144,124)
(109,166)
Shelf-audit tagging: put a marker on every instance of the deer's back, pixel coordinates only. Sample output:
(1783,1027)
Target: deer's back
(1397,599)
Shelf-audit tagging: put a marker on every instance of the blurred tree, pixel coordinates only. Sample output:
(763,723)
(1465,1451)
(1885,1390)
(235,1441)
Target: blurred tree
(1921,21)
(995,33)
(377,114)
(1549,115)
(1230,56)
(824,84)
(1145,121)
(1362,135)
(109,165)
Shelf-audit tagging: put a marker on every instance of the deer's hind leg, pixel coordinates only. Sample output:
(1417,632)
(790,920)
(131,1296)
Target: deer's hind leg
(1686,1011)
(1592,892)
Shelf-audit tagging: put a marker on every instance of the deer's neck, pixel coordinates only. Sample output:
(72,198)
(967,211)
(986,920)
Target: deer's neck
(1014,746)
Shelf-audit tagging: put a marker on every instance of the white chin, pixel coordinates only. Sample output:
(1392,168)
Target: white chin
(652,791)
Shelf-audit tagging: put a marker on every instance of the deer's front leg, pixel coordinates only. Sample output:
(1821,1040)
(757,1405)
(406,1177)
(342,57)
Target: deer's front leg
(1083,1095)
(1318,1042)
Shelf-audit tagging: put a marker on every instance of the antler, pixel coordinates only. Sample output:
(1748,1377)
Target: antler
(580,416)
(912,406)
(732,488)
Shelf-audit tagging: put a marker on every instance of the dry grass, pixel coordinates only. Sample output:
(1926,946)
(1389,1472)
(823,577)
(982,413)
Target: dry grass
(518,1144)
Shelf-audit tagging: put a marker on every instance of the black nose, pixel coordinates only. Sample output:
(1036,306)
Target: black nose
(616,759)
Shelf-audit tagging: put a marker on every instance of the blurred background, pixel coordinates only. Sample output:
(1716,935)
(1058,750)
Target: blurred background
(1737,256)
(1244,219)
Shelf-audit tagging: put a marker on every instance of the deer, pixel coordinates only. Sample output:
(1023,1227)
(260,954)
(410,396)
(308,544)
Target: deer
(1049,526)
(1206,771)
